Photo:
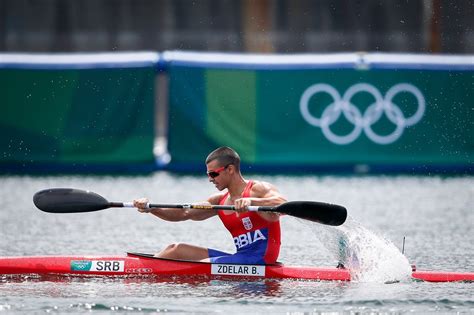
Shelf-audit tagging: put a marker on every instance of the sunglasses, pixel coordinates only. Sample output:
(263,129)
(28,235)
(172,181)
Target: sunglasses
(217,171)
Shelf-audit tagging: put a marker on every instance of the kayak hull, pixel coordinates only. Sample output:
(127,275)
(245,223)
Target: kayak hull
(442,276)
(146,265)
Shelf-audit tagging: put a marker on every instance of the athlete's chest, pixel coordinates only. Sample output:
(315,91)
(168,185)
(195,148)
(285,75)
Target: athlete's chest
(238,223)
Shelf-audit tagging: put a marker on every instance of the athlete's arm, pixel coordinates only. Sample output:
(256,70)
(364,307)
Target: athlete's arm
(262,194)
(176,215)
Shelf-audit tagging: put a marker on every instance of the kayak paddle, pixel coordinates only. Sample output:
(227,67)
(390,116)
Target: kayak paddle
(69,200)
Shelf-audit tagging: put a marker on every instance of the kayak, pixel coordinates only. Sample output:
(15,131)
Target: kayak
(137,264)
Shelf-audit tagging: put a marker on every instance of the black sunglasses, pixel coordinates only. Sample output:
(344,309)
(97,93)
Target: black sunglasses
(217,171)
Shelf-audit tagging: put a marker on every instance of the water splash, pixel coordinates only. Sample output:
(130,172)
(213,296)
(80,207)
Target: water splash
(368,256)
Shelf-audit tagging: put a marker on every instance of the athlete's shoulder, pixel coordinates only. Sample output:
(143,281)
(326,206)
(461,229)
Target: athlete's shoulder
(216,198)
(262,188)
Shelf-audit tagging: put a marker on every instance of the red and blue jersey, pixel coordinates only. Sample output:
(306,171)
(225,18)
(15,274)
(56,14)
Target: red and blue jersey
(256,240)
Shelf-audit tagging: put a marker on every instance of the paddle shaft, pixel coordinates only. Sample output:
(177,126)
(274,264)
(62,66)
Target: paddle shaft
(189,206)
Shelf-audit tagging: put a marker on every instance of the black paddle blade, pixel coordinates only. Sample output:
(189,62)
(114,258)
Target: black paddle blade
(324,213)
(68,200)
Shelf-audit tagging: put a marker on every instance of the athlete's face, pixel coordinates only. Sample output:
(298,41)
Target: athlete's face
(218,174)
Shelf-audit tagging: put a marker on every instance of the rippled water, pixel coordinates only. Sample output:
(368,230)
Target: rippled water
(435,214)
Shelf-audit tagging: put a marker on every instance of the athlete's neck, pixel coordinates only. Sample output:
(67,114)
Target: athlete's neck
(237,187)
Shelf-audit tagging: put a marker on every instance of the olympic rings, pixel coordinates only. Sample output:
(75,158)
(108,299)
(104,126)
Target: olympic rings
(381,105)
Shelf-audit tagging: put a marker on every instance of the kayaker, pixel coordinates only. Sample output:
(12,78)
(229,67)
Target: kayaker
(256,234)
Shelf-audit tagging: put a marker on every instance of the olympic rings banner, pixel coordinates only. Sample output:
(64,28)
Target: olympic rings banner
(332,113)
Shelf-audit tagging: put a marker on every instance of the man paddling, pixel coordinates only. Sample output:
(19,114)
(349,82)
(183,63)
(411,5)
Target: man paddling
(256,234)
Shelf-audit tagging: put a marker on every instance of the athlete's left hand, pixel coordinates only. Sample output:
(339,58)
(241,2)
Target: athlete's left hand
(241,204)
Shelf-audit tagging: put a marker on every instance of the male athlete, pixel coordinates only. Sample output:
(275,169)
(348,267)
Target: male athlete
(256,234)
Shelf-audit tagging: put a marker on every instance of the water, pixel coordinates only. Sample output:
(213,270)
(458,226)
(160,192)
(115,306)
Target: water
(435,214)
(369,257)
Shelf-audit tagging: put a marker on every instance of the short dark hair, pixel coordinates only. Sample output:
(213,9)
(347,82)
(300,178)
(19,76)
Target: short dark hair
(224,156)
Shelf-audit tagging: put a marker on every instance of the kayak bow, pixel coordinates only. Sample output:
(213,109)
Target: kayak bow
(134,264)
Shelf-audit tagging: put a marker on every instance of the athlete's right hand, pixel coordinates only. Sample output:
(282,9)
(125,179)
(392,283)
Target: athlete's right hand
(141,205)
(242,204)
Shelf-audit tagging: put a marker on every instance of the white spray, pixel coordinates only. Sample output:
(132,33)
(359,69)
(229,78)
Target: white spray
(369,257)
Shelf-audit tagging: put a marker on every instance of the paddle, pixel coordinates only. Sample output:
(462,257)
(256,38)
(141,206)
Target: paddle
(68,200)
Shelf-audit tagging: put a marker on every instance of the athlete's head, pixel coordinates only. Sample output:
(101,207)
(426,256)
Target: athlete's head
(224,156)
(221,160)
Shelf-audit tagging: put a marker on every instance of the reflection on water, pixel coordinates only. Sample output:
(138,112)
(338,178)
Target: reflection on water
(57,284)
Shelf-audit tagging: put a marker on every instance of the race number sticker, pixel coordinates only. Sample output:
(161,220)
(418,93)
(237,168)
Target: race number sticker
(98,265)
(238,270)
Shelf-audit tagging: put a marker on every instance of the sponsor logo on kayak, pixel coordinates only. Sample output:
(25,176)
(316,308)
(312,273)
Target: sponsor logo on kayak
(81,265)
(98,265)
(238,270)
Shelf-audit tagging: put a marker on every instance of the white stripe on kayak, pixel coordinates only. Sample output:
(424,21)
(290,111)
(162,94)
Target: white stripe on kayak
(238,270)
(98,265)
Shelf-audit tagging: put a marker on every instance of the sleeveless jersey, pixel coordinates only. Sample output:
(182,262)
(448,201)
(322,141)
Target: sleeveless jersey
(257,240)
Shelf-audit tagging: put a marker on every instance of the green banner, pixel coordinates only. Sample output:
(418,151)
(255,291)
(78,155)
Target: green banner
(77,118)
(326,116)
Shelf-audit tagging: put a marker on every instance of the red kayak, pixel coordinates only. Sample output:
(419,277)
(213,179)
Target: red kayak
(134,264)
